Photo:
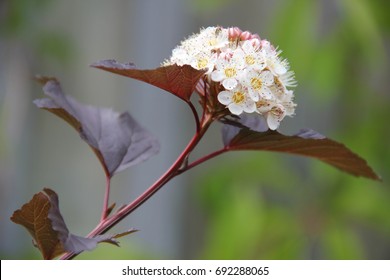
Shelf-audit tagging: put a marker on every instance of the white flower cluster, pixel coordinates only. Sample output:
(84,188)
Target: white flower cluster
(253,76)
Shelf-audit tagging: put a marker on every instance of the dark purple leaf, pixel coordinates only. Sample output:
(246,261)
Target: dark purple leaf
(42,218)
(309,134)
(178,80)
(117,139)
(70,242)
(250,121)
(306,143)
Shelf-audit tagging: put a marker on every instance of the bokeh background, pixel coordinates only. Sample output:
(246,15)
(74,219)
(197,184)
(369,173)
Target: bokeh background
(248,205)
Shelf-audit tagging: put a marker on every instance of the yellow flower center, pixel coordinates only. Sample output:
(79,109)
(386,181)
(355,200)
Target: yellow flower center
(278,86)
(202,63)
(238,97)
(279,112)
(230,72)
(256,83)
(262,103)
(212,42)
(250,60)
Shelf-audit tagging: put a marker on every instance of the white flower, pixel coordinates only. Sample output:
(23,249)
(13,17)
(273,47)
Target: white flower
(228,71)
(203,60)
(275,116)
(275,110)
(276,65)
(237,101)
(258,84)
(213,38)
(287,101)
(180,56)
(254,59)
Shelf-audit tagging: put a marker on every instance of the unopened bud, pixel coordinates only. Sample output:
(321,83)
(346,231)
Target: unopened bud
(234,33)
(255,43)
(246,35)
(266,45)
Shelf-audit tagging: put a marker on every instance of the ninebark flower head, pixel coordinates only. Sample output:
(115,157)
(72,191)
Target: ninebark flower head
(252,76)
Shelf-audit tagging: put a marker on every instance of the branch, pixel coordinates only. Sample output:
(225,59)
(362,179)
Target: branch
(106,199)
(173,171)
(201,160)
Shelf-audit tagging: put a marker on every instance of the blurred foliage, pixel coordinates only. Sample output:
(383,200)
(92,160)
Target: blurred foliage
(270,206)
(22,21)
(208,6)
(17,15)
(30,43)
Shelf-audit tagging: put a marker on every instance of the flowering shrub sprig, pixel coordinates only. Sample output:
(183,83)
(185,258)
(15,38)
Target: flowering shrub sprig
(253,76)
(240,80)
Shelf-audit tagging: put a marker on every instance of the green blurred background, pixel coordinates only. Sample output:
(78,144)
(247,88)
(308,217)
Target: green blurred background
(248,205)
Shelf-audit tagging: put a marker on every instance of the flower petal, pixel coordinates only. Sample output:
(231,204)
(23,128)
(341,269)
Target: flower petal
(279,68)
(264,107)
(254,95)
(225,97)
(235,109)
(229,83)
(267,78)
(273,121)
(217,76)
(249,106)
(266,92)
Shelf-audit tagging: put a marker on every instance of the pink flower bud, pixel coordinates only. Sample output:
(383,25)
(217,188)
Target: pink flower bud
(234,33)
(246,35)
(227,55)
(266,45)
(255,43)
(256,36)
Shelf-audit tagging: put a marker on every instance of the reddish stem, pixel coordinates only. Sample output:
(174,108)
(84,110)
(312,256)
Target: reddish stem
(195,113)
(201,160)
(106,199)
(174,170)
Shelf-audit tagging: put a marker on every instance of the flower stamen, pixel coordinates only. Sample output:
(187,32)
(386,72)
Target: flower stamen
(202,63)
(250,60)
(230,72)
(238,97)
(256,83)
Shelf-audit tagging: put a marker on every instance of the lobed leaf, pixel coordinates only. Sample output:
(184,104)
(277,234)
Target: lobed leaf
(70,242)
(306,143)
(42,218)
(34,217)
(178,80)
(117,139)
